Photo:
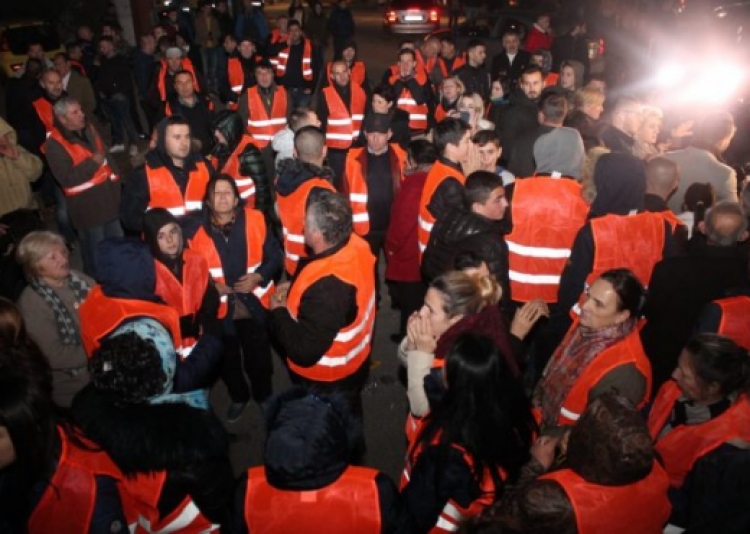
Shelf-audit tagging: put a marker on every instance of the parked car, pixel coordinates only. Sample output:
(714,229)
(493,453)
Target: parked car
(15,37)
(412,16)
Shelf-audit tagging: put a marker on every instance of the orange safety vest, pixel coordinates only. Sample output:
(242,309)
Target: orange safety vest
(283,57)
(635,242)
(100,315)
(292,215)
(145,490)
(440,113)
(551,79)
(437,175)
(185,297)
(46,114)
(356,163)
(245,184)
(259,125)
(276,37)
(79,153)
(626,351)
(67,504)
(168,107)
(255,237)
(353,264)
(684,445)
(417,112)
(344,124)
(358,73)
(452,514)
(547,214)
(735,319)
(349,504)
(165,193)
(641,507)
(460,61)
(236,75)
(161,82)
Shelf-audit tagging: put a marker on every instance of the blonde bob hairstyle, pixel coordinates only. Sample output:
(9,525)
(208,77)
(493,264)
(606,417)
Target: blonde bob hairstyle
(459,84)
(34,247)
(465,294)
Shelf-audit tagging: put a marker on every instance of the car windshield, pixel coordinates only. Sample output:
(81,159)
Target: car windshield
(412,4)
(19,38)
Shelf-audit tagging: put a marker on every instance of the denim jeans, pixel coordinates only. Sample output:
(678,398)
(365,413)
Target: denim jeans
(117,109)
(91,237)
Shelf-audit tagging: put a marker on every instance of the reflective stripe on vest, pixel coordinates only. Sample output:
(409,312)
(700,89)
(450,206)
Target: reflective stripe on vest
(165,193)
(344,123)
(437,175)
(236,75)
(260,126)
(46,114)
(283,57)
(642,506)
(735,319)
(79,154)
(292,215)
(537,253)
(684,445)
(356,182)
(635,242)
(405,100)
(353,264)
(245,184)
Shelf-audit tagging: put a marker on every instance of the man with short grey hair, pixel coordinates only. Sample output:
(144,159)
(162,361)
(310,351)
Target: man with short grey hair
(77,157)
(323,321)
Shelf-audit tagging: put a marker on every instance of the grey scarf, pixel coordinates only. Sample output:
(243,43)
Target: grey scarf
(66,324)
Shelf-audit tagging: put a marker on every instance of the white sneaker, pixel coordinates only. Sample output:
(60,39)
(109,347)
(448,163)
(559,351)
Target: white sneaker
(133,151)
(116,149)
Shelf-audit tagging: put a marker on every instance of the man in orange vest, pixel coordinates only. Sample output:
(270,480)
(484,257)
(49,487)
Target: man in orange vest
(298,179)
(413,90)
(728,316)
(298,66)
(197,110)
(240,72)
(52,91)
(173,177)
(77,156)
(324,320)
(162,84)
(446,62)
(662,178)
(341,110)
(443,188)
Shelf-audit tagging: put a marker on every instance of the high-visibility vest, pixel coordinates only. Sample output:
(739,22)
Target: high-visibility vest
(46,114)
(68,502)
(168,106)
(635,242)
(78,154)
(684,445)
(100,315)
(356,162)
(735,319)
(547,214)
(245,184)
(358,73)
(626,351)
(452,514)
(145,490)
(458,62)
(344,124)
(255,237)
(185,297)
(417,112)
(437,175)
(259,125)
(283,57)
(165,193)
(440,112)
(276,37)
(642,506)
(292,216)
(353,264)
(349,504)
(161,82)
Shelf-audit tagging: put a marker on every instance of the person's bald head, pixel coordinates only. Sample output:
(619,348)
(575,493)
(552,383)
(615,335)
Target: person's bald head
(310,145)
(725,224)
(662,176)
(51,82)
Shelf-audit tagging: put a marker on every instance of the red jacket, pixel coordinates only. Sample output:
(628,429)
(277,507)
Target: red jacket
(537,39)
(401,244)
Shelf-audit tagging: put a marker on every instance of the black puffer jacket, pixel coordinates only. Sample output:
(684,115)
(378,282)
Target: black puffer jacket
(465,231)
(229,123)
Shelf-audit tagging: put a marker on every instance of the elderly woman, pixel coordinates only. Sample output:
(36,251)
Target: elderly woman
(49,306)
(645,146)
(601,353)
(451,91)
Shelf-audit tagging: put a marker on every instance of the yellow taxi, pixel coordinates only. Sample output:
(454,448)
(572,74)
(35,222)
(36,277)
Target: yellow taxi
(15,36)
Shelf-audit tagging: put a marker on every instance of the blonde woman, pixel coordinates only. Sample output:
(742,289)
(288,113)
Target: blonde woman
(451,91)
(588,106)
(646,136)
(471,109)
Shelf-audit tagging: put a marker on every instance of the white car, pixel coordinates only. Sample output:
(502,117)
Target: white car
(412,16)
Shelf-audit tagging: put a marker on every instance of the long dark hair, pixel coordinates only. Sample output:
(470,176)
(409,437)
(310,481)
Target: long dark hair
(484,411)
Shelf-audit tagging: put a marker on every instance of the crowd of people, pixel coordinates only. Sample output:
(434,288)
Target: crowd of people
(573,285)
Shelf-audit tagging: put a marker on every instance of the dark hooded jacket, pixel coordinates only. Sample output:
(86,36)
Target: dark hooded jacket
(136,195)
(521,116)
(293,173)
(230,124)
(310,444)
(126,271)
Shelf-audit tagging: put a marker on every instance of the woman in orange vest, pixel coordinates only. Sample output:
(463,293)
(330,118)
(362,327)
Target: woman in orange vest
(474,440)
(243,258)
(52,479)
(605,477)
(601,352)
(451,90)
(704,410)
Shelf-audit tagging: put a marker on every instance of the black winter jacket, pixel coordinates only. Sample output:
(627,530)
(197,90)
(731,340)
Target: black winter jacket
(520,117)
